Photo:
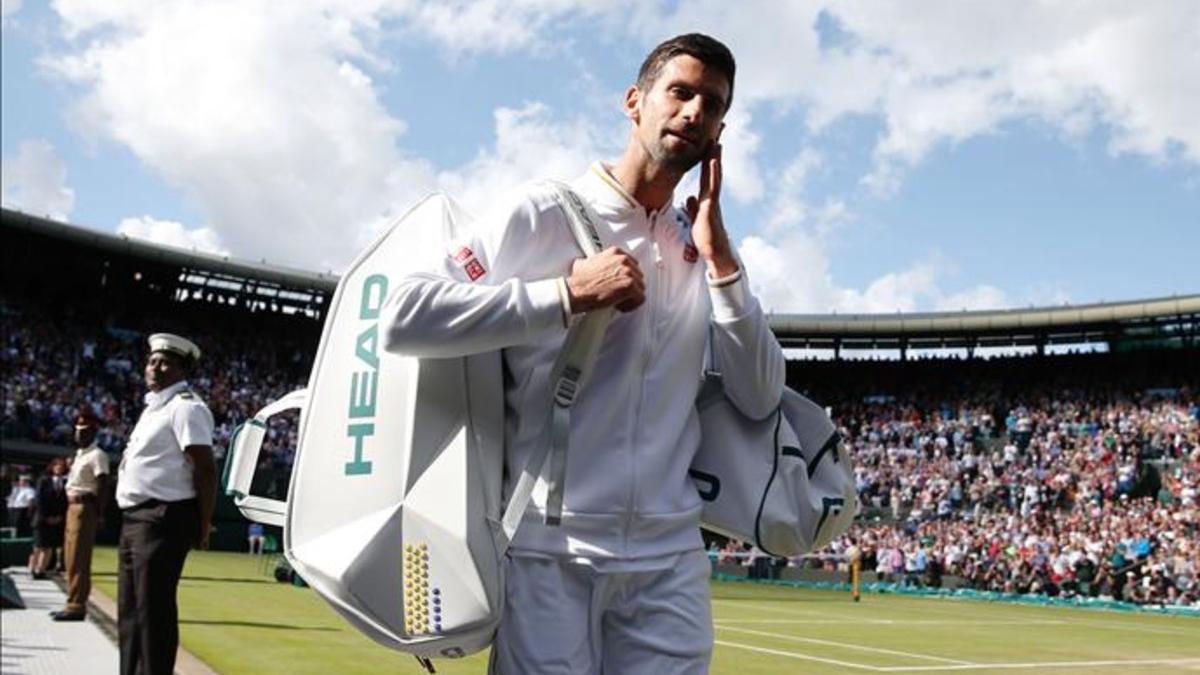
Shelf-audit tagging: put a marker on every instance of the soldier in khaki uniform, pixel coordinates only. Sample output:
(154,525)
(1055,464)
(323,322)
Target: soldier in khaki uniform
(86,486)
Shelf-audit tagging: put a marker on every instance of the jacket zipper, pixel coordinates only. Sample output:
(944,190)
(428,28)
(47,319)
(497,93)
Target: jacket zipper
(647,353)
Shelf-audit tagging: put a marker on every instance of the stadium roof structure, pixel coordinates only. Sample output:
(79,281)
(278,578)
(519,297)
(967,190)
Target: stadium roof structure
(119,243)
(1172,321)
(1160,320)
(190,275)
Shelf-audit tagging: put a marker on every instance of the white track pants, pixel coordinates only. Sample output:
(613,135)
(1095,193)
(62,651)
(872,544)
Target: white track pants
(570,619)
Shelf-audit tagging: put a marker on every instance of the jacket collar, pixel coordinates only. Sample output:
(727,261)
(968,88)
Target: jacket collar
(609,197)
(157,399)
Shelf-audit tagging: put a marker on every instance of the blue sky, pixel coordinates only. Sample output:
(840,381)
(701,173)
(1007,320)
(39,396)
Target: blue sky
(880,156)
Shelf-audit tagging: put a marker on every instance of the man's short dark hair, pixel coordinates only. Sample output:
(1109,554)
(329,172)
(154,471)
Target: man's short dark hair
(703,48)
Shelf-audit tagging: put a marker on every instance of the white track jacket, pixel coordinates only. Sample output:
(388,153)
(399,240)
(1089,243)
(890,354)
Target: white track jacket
(634,427)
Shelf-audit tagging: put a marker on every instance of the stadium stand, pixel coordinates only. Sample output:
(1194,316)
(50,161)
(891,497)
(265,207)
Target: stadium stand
(1061,475)
(77,306)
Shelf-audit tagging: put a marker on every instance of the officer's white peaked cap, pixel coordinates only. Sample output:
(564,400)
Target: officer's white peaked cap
(169,342)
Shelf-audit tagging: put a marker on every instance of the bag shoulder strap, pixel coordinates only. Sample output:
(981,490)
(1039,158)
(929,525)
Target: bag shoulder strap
(569,374)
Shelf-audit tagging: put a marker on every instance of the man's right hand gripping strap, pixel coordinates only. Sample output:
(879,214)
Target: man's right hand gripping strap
(569,374)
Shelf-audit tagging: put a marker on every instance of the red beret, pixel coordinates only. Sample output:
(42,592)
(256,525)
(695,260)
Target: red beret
(85,420)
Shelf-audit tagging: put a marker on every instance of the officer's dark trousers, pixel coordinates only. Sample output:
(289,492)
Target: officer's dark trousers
(155,538)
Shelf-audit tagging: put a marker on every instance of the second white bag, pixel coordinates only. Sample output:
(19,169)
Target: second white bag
(783,483)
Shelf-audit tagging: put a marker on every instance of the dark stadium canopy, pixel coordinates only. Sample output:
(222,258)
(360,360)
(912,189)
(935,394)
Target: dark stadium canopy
(196,276)
(1161,321)
(182,275)
(120,243)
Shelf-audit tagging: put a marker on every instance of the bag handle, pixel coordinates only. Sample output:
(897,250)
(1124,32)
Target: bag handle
(569,374)
(244,449)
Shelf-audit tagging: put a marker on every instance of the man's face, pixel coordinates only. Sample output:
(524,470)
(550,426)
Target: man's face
(84,436)
(163,369)
(680,117)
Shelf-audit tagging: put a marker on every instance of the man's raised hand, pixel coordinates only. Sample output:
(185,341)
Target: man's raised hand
(611,278)
(708,228)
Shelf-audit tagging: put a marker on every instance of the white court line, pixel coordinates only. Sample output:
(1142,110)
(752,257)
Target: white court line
(966,666)
(1044,664)
(844,645)
(796,655)
(1111,625)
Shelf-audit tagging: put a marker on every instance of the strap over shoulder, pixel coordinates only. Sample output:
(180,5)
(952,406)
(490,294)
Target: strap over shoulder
(569,374)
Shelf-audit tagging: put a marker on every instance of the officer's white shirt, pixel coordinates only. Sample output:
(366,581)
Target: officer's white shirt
(22,496)
(154,465)
(90,463)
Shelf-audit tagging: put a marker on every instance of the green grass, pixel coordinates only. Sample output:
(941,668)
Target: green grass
(236,618)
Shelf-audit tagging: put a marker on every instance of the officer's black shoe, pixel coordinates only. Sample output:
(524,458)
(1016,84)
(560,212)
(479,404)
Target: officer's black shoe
(68,616)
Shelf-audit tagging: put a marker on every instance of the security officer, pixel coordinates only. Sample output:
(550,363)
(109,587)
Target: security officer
(85,497)
(166,488)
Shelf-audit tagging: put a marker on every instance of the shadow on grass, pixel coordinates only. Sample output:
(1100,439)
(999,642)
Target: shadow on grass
(257,624)
(192,577)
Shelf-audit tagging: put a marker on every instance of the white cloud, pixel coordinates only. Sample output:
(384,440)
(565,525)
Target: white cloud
(790,274)
(268,116)
(496,25)
(264,114)
(938,72)
(256,109)
(957,70)
(740,177)
(172,233)
(8,8)
(535,141)
(788,208)
(893,292)
(531,142)
(793,275)
(35,181)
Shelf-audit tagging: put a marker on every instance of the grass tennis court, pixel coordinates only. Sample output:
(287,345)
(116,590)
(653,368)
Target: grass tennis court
(235,617)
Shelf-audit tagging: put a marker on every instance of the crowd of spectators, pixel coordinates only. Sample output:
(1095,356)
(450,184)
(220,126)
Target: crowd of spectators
(1132,550)
(53,366)
(1058,491)
(1061,476)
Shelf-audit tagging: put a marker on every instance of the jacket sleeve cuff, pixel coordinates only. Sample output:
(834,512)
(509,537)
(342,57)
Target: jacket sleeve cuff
(546,298)
(730,300)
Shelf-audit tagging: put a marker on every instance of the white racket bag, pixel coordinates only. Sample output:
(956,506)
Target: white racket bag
(394,512)
(784,483)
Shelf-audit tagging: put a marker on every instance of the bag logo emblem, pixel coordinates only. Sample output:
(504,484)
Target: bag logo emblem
(466,259)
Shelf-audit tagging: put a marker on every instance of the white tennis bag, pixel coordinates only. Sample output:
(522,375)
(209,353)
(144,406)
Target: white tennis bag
(394,509)
(783,483)
(394,512)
